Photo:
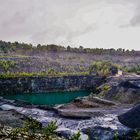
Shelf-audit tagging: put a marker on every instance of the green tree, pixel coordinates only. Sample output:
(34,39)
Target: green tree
(102,67)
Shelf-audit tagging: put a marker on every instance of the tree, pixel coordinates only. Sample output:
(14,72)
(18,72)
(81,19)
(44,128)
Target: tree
(102,68)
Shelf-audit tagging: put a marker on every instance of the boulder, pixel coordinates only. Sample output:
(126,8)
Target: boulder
(11,118)
(131,118)
(104,133)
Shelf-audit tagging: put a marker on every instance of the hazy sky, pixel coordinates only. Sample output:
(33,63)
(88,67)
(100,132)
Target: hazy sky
(90,23)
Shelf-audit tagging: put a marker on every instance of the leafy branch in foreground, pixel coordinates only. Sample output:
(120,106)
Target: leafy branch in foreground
(32,130)
(75,136)
(49,129)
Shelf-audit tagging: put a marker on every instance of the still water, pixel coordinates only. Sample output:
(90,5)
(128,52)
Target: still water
(48,98)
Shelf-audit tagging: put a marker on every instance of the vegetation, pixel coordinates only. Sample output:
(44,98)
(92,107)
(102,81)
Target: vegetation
(132,69)
(9,69)
(137,135)
(103,68)
(105,88)
(38,74)
(7,47)
(49,130)
(116,136)
(7,64)
(28,131)
(25,60)
(32,130)
(75,136)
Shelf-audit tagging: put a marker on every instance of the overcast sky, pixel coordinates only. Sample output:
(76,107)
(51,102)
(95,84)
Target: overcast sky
(90,23)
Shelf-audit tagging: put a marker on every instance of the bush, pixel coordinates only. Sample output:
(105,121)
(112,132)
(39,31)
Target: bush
(103,68)
(132,69)
(28,131)
(105,87)
(137,135)
(75,136)
(49,129)
(32,130)
(7,64)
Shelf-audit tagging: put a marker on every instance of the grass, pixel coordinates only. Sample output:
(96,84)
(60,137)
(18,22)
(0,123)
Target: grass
(39,74)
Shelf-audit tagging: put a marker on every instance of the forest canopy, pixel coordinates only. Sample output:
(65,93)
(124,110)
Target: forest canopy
(7,47)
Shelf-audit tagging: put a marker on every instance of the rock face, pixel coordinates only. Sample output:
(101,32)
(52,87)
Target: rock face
(124,90)
(131,118)
(43,84)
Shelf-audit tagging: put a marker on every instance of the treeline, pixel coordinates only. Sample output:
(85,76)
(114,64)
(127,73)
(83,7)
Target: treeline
(7,47)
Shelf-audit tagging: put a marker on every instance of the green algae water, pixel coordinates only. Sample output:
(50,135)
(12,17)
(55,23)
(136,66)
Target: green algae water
(48,98)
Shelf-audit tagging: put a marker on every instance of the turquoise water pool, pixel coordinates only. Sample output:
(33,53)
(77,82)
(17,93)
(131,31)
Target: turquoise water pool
(48,98)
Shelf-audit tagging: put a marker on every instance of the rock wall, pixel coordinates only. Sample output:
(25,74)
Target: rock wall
(43,84)
(124,90)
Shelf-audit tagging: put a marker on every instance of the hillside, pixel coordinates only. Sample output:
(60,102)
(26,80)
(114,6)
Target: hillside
(20,57)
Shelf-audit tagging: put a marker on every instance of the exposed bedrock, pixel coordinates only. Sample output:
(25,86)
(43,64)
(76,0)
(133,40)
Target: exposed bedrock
(131,118)
(102,126)
(87,102)
(123,90)
(43,84)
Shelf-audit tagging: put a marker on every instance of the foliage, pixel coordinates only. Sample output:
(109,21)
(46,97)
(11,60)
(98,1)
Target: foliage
(14,135)
(116,136)
(75,136)
(49,129)
(7,47)
(137,135)
(6,64)
(32,130)
(31,125)
(52,72)
(132,69)
(105,87)
(28,130)
(22,59)
(102,67)
(38,74)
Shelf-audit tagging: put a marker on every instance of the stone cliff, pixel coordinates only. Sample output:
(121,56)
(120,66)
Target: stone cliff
(43,84)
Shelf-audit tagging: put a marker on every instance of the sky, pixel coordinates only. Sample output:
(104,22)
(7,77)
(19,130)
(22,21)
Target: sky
(87,23)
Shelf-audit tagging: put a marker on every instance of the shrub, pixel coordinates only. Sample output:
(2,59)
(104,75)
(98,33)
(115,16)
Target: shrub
(102,67)
(105,87)
(75,136)
(28,131)
(116,136)
(49,129)
(137,135)
(132,69)
(6,64)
